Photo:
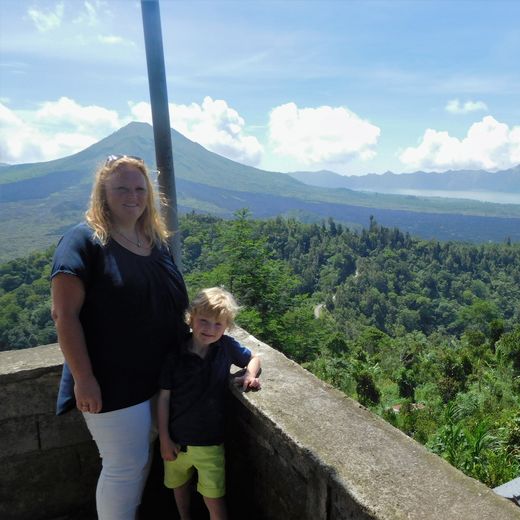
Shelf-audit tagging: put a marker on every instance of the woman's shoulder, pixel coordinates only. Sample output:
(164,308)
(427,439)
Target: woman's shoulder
(80,234)
(72,253)
(80,230)
(76,245)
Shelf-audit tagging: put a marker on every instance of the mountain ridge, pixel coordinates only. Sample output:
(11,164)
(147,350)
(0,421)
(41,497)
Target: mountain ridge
(133,133)
(507,181)
(39,200)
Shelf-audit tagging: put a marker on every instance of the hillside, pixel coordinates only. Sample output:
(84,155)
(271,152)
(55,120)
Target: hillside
(424,333)
(38,201)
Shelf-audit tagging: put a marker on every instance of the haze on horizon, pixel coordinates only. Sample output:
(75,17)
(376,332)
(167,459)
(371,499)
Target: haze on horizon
(352,87)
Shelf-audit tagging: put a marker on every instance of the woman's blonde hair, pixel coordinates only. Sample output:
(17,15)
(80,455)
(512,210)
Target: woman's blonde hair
(216,302)
(98,213)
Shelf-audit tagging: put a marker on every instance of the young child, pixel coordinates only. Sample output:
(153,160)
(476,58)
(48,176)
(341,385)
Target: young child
(192,399)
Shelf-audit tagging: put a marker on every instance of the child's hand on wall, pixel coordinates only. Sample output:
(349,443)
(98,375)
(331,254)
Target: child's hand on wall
(248,382)
(169,449)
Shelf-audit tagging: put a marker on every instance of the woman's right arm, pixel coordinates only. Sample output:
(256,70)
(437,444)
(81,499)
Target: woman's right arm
(68,295)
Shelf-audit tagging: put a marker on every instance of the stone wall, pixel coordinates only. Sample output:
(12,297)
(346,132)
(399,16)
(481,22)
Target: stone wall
(49,464)
(297,449)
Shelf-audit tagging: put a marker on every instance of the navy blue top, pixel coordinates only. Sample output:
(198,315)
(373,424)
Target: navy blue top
(199,389)
(132,316)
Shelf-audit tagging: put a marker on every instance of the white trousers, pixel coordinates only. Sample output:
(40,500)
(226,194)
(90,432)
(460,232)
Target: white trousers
(123,439)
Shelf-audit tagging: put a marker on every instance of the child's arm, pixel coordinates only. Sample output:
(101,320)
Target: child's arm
(250,377)
(169,449)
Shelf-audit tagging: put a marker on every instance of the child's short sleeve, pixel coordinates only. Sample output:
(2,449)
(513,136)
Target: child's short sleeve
(238,354)
(73,253)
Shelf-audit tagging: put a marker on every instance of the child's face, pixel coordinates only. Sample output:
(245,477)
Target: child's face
(207,328)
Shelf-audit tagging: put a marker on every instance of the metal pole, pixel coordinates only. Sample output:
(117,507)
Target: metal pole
(161,119)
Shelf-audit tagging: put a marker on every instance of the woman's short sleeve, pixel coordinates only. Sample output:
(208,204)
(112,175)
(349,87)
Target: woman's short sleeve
(73,253)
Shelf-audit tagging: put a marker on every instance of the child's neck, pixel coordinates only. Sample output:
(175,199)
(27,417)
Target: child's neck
(200,349)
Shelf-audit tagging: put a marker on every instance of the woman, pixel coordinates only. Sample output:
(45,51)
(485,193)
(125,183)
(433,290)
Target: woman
(118,302)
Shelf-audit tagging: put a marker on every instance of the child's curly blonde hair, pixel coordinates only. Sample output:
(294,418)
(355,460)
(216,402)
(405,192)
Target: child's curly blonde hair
(214,301)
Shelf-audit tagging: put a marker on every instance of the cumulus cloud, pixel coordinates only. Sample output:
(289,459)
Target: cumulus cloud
(214,125)
(49,20)
(142,111)
(321,136)
(56,129)
(454,106)
(488,145)
(59,128)
(17,139)
(67,113)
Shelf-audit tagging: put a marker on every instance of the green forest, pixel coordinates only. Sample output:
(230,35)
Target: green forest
(424,333)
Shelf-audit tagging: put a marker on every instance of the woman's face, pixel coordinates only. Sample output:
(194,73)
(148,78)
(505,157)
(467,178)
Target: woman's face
(126,195)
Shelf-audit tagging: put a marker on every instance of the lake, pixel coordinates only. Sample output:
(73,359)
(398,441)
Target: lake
(484,196)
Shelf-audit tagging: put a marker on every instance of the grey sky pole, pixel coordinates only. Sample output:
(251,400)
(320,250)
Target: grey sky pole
(161,118)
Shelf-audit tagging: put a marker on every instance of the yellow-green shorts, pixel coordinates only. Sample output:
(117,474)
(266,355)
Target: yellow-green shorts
(209,461)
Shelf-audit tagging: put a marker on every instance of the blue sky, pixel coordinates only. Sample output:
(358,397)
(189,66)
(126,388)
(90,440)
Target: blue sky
(352,86)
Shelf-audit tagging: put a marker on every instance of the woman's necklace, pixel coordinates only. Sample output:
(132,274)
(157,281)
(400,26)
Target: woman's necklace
(138,243)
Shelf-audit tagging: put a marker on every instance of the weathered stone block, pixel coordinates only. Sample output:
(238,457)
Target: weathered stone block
(63,430)
(47,484)
(18,435)
(28,397)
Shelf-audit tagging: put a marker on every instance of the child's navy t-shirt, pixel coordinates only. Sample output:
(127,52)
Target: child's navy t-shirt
(198,391)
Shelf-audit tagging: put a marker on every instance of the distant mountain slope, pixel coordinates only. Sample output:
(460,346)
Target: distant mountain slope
(191,161)
(39,201)
(194,163)
(443,226)
(507,181)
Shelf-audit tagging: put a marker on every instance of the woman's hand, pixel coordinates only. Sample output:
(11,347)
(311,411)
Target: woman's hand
(88,395)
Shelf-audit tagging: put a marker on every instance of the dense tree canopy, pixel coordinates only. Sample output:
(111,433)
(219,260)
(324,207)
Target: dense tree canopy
(425,333)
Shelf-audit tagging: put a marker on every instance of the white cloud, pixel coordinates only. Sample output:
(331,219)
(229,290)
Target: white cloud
(321,137)
(489,145)
(93,15)
(455,107)
(111,40)
(67,114)
(47,21)
(72,18)
(89,15)
(16,138)
(54,130)
(214,125)
(60,128)
(142,111)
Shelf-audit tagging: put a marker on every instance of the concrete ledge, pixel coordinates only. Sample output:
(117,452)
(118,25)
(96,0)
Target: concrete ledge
(296,450)
(320,455)
(16,365)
